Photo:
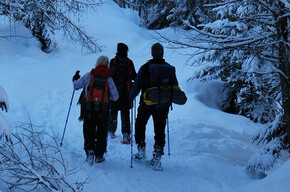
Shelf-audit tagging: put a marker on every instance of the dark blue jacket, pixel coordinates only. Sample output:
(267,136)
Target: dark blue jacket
(142,82)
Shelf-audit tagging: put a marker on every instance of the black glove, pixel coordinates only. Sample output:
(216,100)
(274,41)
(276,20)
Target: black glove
(76,76)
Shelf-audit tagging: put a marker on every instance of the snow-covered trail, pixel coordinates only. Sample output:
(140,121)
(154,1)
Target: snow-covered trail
(209,148)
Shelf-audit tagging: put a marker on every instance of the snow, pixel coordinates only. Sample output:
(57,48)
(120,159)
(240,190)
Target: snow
(4,125)
(4,98)
(209,148)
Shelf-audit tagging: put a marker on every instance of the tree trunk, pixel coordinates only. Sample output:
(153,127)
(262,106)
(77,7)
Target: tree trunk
(285,84)
(282,36)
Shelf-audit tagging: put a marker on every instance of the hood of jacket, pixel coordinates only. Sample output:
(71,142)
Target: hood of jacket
(101,70)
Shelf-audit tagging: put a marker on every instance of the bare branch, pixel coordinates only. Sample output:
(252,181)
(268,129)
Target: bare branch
(34,161)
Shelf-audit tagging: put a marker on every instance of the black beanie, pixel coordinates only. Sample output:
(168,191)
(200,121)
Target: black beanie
(122,48)
(157,50)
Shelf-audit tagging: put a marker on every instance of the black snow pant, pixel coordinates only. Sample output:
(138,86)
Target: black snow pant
(95,130)
(159,120)
(125,119)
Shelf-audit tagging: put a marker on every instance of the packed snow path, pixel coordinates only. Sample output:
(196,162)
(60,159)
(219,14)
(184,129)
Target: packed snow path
(204,157)
(209,148)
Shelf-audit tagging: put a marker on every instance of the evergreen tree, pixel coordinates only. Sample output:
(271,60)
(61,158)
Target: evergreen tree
(246,45)
(159,14)
(45,17)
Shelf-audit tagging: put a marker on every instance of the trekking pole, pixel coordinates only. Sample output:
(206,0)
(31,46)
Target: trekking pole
(131,130)
(168,136)
(108,126)
(135,112)
(67,117)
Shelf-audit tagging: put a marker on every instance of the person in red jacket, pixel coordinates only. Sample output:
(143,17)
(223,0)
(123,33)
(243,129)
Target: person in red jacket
(95,125)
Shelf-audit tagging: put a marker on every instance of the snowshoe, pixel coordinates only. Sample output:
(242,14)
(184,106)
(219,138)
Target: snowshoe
(99,159)
(90,157)
(156,160)
(126,139)
(156,164)
(112,135)
(140,155)
(125,142)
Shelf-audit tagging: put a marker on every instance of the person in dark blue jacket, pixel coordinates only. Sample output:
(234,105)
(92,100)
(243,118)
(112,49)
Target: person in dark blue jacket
(155,73)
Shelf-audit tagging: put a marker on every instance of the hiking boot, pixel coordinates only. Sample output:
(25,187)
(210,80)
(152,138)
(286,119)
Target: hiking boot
(99,159)
(141,151)
(156,159)
(112,135)
(90,157)
(126,139)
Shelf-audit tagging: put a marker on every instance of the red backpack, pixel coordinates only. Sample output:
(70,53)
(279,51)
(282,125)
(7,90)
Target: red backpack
(98,91)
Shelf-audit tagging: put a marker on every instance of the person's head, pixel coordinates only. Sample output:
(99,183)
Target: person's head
(122,49)
(157,51)
(103,60)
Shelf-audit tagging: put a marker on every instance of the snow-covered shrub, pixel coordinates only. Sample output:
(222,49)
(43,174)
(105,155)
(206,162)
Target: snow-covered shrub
(34,162)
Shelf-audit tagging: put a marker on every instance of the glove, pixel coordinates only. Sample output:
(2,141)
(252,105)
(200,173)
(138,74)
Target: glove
(76,76)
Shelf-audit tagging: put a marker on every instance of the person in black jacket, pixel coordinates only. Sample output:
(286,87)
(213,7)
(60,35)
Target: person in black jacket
(123,74)
(155,73)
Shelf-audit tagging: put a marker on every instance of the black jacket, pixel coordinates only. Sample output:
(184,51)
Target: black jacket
(123,102)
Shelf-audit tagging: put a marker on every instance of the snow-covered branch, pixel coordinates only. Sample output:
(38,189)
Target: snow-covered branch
(34,161)
(216,43)
(286,3)
(219,4)
(265,5)
(45,17)
(77,34)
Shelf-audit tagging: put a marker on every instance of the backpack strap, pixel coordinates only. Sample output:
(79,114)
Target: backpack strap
(90,94)
(147,75)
